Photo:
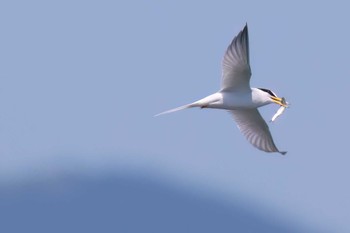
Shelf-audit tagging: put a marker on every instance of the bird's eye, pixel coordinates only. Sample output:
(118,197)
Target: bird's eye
(268,91)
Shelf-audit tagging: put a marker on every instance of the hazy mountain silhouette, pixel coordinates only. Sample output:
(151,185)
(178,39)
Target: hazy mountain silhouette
(123,204)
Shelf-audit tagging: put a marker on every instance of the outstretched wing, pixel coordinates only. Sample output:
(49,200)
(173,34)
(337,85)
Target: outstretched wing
(255,129)
(235,65)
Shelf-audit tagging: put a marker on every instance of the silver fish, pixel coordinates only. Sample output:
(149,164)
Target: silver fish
(280,110)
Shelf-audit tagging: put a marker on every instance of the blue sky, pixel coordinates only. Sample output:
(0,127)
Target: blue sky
(80,82)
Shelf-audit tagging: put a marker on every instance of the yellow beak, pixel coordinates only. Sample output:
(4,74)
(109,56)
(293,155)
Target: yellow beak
(279,101)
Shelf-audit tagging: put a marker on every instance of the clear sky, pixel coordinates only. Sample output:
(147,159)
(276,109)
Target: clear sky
(80,82)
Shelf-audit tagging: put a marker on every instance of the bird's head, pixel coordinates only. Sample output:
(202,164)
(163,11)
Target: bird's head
(274,98)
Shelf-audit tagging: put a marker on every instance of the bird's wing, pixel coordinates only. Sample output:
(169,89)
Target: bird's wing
(255,129)
(235,65)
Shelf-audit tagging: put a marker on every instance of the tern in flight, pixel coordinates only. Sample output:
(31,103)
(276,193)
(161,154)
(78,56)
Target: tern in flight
(237,97)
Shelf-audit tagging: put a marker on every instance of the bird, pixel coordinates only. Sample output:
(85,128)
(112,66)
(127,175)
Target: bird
(238,98)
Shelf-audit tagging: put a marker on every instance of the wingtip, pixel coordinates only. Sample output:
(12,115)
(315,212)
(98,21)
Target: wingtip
(283,152)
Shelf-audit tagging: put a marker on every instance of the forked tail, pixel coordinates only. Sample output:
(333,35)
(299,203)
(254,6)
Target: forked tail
(202,103)
(176,109)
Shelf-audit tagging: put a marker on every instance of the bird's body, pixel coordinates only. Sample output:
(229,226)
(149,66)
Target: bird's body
(229,100)
(239,98)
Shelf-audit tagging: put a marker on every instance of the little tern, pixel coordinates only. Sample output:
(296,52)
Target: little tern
(237,97)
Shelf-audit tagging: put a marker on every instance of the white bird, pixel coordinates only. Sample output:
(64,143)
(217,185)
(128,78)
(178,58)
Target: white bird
(239,98)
